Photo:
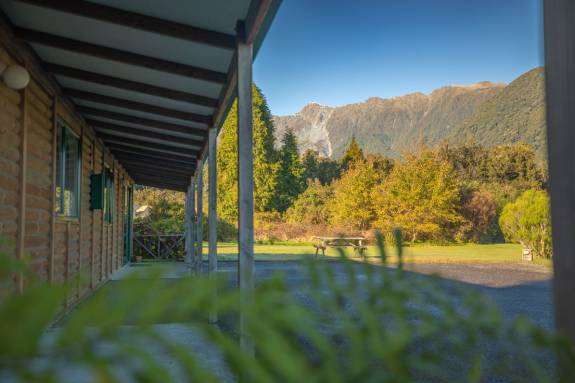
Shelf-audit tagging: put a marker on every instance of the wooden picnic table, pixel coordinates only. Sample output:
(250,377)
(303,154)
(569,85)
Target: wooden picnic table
(322,243)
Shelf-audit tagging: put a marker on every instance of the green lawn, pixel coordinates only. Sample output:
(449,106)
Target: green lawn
(470,253)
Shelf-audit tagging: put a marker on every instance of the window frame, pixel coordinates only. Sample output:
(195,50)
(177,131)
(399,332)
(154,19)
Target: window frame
(65,131)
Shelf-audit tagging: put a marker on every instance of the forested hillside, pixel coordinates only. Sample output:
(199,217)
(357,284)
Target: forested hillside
(487,113)
(516,114)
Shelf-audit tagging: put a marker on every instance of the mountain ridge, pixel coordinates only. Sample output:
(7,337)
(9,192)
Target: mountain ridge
(456,113)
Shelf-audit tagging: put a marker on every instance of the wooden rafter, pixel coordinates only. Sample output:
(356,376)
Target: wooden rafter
(118,55)
(119,129)
(159,183)
(130,162)
(134,105)
(139,21)
(167,173)
(167,126)
(147,144)
(120,149)
(140,87)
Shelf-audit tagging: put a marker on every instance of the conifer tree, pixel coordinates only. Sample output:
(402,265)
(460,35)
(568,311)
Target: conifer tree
(291,180)
(352,154)
(266,164)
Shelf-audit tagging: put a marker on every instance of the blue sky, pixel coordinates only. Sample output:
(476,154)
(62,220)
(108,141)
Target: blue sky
(338,52)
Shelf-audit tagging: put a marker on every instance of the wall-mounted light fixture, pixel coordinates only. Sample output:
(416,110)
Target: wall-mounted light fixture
(14,76)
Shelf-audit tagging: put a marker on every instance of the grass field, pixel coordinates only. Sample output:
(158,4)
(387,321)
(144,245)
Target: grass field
(469,253)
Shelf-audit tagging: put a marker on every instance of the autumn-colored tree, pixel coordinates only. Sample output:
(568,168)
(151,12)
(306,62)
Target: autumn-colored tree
(515,163)
(479,210)
(527,221)
(420,196)
(352,205)
(312,206)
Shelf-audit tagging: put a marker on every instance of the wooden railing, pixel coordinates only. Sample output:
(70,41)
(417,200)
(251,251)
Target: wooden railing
(159,246)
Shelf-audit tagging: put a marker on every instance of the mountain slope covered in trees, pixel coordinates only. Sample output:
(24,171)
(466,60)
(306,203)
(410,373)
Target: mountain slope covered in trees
(515,115)
(485,112)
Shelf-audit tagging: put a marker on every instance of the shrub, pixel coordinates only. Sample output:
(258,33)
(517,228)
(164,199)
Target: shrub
(527,221)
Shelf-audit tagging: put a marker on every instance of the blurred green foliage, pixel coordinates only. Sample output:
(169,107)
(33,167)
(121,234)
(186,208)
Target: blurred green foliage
(349,322)
(527,220)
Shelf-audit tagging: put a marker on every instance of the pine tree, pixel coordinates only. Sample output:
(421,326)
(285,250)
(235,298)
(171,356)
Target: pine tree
(291,180)
(352,154)
(266,164)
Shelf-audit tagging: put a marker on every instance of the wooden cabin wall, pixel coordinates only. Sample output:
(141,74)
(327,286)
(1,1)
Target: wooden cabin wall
(83,251)
(39,160)
(11,112)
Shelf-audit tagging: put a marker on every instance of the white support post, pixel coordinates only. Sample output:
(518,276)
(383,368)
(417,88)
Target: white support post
(245,182)
(200,216)
(192,208)
(212,214)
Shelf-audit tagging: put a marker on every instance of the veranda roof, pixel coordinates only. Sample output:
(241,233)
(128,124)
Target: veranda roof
(149,76)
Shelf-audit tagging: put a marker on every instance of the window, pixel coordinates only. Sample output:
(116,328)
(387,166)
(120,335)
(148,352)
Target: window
(67,172)
(108,195)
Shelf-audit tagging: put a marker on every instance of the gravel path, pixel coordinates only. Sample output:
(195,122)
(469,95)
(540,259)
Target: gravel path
(518,289)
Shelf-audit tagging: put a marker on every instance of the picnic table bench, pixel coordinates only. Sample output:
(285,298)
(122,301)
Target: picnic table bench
(322,243)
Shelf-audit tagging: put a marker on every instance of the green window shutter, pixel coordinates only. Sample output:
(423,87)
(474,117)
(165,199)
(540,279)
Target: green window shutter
(97,191)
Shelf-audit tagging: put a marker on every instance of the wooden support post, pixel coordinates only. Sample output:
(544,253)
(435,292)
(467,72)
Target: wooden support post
(112,224)
(200,217)
(246,180)
(20,245)
(559,20)
(67,271)
(103,250)
(212,214)
(93,214)
(187,228)
(192,264)
(81,215)
(54,185)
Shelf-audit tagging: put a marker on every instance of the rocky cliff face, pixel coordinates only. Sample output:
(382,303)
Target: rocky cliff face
(391,126)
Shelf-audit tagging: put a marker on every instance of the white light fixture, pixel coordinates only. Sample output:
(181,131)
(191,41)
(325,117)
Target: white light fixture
(14,76)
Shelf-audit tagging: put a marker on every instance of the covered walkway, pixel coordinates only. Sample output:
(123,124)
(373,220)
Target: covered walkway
(155,83)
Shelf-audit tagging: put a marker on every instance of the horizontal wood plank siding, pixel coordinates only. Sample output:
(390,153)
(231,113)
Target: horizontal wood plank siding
(86,250)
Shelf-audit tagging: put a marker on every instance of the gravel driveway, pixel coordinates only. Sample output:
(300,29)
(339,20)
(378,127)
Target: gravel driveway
(518,289)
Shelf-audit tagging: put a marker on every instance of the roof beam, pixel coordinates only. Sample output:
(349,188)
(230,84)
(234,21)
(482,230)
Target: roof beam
(133,86)
(148,145)
(134,105)
(138,21)
(132,162)
(99,125)
(164,173)
(134,152)
(167,126)
(143,158)
(120,56)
